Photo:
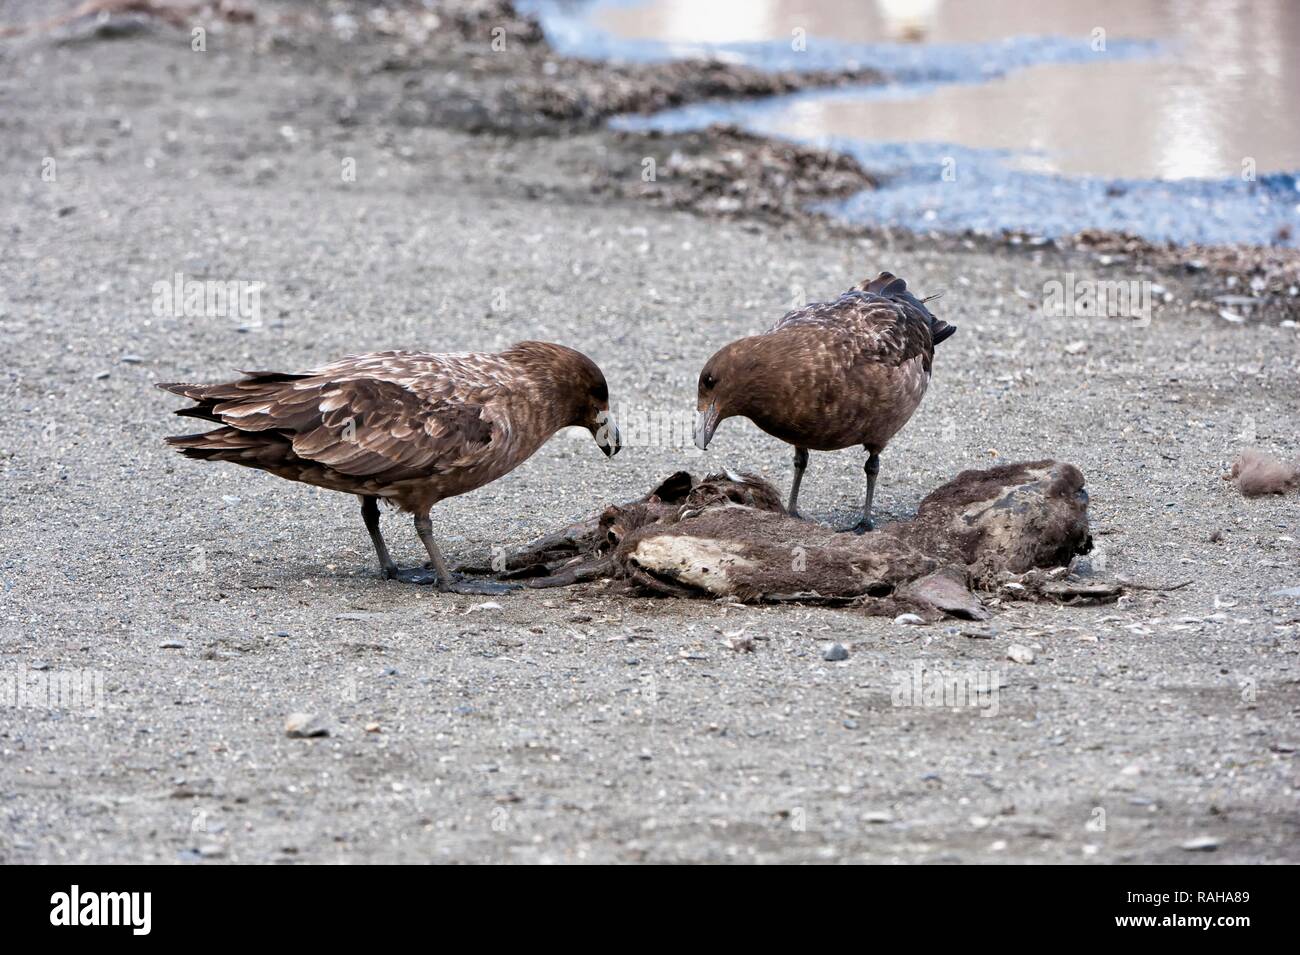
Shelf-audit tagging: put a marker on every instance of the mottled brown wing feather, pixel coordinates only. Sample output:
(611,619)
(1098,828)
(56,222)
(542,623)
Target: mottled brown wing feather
(870,328)
(365,427)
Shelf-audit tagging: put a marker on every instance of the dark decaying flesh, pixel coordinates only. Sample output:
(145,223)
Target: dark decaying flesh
(727,535)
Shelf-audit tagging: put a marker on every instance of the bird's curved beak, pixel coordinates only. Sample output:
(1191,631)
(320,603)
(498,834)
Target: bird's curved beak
(607,435)
(706,422)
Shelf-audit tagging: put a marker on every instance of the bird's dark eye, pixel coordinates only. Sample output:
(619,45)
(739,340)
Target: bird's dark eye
(707,380)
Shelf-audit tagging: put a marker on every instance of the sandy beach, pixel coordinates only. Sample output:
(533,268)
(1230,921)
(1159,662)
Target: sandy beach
(580,724)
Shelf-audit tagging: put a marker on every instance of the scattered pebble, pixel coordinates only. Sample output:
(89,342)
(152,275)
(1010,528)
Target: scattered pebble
(1200,844)
(304,726)
(172,645)
(909,620)
(1019,653)
(834,652)
(738,641)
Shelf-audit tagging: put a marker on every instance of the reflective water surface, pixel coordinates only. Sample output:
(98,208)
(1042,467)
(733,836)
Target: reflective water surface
(1223,89)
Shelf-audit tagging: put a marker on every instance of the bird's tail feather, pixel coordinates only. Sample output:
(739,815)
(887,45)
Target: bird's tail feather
(253,448)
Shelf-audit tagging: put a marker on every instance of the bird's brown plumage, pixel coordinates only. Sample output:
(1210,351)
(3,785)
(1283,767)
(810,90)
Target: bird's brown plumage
(830,375)
(408,427)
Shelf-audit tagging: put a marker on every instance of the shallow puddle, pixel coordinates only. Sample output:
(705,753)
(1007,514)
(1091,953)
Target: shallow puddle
(1045,116)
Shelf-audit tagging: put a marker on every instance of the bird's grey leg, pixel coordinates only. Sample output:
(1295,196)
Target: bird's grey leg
(800,462)
(370,514)
(445,581)
(872,468)
(416,575)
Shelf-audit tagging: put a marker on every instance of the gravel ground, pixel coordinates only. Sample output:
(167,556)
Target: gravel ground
(576,725)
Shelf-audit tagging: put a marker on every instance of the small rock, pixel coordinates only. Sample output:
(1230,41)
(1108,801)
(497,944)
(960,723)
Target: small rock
(212,851)
(304,726)
(373,728)
(878,818)
(909,620)
(101,375)
(1200,844)
(1076,348)
(172,645)
(834,652)
(1019,653)
(132,359)
(486,605)
(738,641)
(40,665)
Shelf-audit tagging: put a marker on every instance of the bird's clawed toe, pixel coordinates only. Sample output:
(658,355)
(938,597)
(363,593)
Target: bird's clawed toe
(863,526)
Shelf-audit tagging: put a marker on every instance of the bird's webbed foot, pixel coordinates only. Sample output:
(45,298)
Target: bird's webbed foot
(426,576)
(411,575)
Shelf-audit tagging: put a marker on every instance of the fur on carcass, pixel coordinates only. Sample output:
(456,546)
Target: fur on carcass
(975,529)
(727,535)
